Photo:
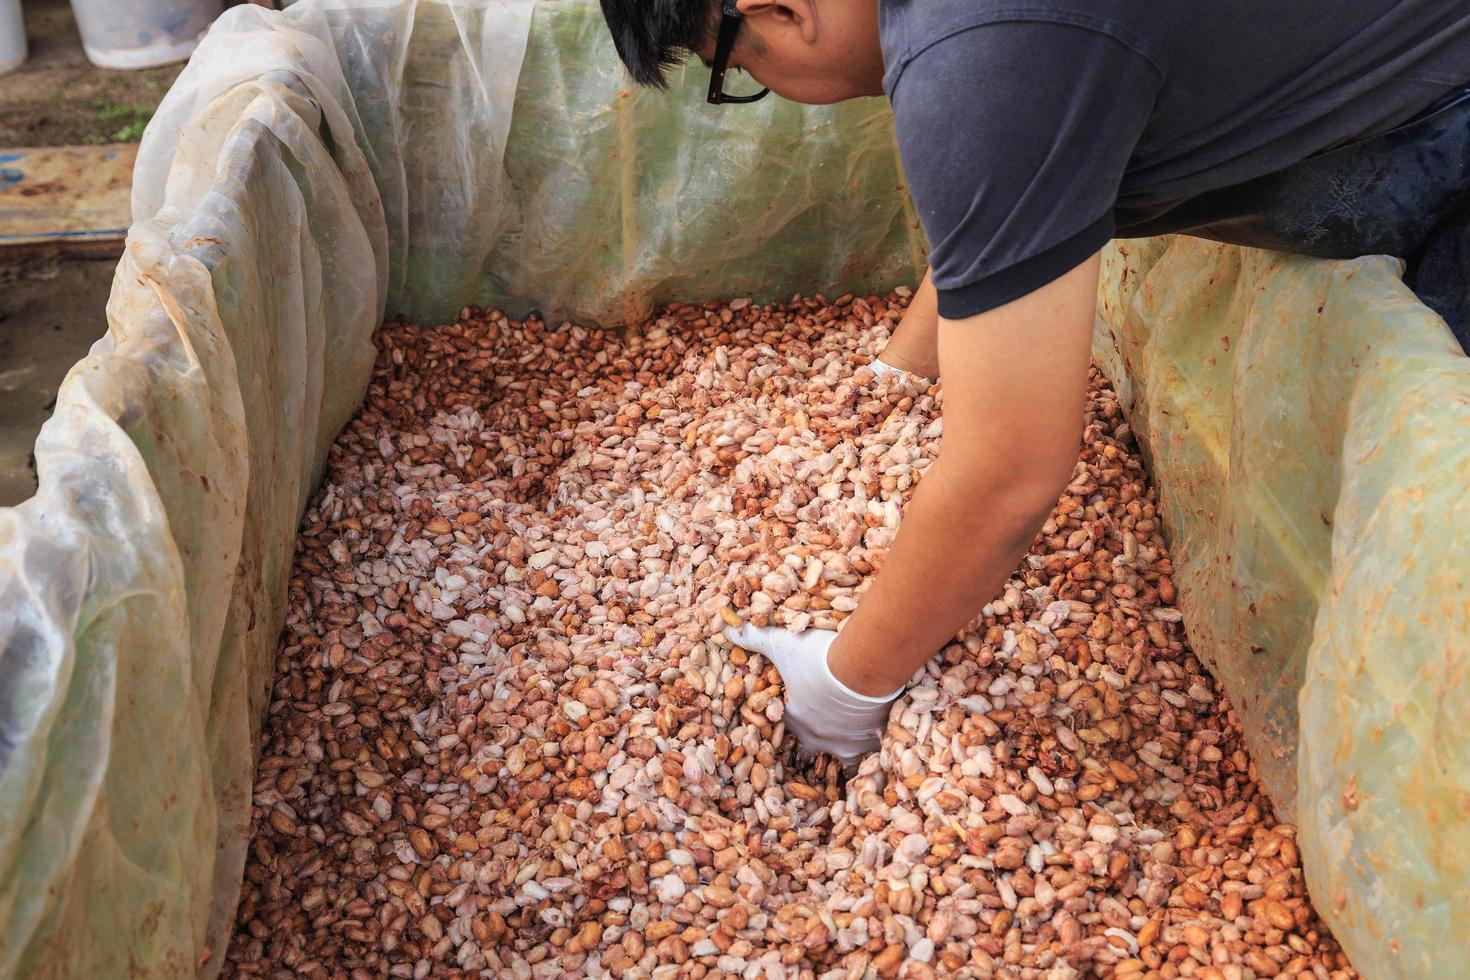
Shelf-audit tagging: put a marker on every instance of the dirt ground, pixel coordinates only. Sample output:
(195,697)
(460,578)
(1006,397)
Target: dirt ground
(51,311)
(58,99)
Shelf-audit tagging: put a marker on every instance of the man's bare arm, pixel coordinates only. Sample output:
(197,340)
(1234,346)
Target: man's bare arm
(1015,387)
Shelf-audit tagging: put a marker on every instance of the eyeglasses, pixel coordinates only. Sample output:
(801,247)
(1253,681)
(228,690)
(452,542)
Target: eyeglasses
(730,18)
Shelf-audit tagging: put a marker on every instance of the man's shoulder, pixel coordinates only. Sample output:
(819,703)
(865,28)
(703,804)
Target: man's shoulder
(908,26)
(911,27)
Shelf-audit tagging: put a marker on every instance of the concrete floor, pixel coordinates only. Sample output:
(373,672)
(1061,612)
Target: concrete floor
(53,307)
(51,311)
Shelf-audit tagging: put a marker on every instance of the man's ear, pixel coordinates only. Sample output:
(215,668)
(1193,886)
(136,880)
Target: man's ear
(801,14)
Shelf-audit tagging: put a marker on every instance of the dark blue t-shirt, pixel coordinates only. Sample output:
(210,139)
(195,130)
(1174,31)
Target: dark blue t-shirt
(1033,132)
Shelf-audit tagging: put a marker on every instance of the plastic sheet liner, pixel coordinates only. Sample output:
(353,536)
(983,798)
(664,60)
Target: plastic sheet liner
(1308,426)
(309,173)
(315,170)
(562,188)
(143,587)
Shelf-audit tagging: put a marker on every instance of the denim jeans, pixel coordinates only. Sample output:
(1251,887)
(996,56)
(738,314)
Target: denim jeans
(1403,192)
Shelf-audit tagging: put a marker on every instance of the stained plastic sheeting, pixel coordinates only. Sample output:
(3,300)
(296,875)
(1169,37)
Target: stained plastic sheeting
(142,589)
(1308,426)
(611,199)
(309,172)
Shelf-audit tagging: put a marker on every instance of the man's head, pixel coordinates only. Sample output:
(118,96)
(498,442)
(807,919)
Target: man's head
(814,51)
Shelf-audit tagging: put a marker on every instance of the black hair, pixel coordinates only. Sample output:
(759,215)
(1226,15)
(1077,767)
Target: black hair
(652,36)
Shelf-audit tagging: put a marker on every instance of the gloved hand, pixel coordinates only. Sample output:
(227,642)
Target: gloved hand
(824,714)
(882,369)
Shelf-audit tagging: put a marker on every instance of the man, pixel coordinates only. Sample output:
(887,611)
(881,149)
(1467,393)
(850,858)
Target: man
(1032,132)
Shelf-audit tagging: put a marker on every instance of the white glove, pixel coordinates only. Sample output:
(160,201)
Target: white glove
(824,714)
(881,369)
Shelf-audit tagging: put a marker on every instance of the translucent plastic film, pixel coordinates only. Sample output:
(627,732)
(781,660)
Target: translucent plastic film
(142,588)
(1308,425)
(561,187)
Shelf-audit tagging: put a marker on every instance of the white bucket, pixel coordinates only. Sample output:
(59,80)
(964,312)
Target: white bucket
(12,36)
(141,33)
